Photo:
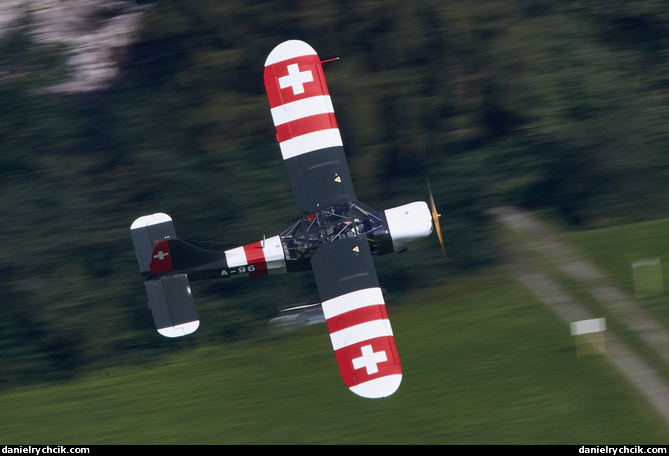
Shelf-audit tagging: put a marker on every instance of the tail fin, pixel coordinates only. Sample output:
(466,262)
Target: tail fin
(170,298)
(147,231)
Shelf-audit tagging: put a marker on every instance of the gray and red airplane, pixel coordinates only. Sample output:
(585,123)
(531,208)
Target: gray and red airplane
(337,240)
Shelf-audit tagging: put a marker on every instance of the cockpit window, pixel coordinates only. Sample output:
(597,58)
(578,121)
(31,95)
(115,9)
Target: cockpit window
(348,219)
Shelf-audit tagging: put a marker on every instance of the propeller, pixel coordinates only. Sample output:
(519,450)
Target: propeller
(435,217)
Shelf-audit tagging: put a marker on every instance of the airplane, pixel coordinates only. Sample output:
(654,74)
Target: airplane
(337,239)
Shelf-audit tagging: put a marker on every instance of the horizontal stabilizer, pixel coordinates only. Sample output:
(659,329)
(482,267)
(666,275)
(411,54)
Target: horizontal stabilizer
(146,232)
(172,305)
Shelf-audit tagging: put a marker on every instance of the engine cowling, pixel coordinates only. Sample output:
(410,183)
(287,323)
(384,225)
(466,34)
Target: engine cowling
(408,223)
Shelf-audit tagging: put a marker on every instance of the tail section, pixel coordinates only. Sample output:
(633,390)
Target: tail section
(168,264)
(147,232)
(170,298)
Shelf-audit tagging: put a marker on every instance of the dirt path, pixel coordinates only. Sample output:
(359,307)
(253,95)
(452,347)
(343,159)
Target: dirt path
(540,238)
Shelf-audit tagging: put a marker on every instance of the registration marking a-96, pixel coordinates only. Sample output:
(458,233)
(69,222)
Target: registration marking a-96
(239,270)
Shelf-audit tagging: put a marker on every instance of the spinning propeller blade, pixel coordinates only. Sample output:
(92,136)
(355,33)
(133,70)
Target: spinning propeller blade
(435,218)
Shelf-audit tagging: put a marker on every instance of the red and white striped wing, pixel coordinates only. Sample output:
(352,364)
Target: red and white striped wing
(306,128)
(312,149)
(355,311)
(299,100)
(363,341)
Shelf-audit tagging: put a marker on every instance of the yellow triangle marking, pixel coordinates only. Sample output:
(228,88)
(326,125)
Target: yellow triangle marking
(356,249)
(337,179)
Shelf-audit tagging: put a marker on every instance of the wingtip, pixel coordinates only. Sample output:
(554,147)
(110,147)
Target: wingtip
(180,330)
(148,220)
(379,387)
(289,50)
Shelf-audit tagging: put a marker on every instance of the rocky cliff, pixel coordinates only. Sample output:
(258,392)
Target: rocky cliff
(94,31)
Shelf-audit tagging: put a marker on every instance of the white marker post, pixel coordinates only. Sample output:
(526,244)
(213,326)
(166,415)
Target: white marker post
(589,333)
(647,274)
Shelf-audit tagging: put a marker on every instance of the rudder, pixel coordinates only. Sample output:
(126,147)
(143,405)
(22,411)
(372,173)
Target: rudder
(146,232)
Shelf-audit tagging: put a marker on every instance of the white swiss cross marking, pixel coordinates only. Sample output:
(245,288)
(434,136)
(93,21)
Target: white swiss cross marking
(295,79)
(161,255)
(369,360)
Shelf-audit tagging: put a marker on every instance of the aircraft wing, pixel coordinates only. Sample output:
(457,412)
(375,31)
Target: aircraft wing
(343,267)
(356,316)
(306,128)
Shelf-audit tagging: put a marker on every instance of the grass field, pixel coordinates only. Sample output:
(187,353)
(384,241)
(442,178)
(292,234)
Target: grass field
(613,249)
(484,363)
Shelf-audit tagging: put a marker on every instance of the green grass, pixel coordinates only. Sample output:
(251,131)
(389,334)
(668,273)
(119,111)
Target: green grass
(612,250)
(484,363)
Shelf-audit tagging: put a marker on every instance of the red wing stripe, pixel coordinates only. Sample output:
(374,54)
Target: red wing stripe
(356,317)
(301,127)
